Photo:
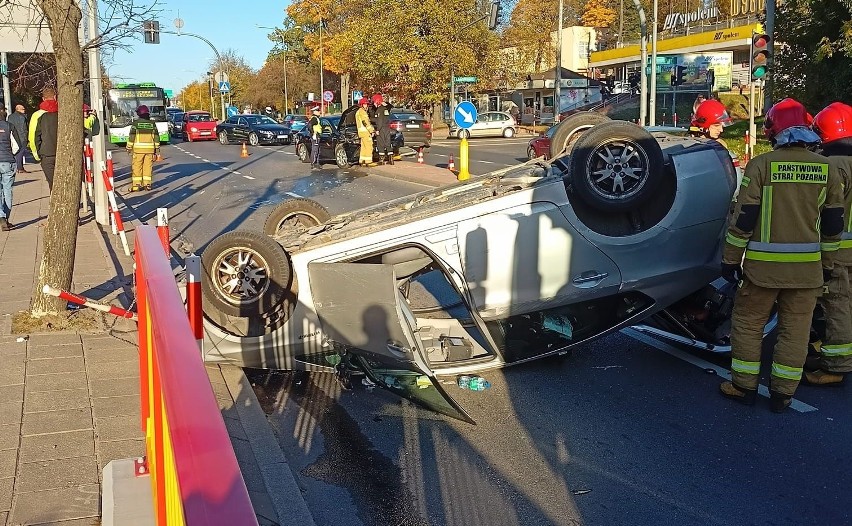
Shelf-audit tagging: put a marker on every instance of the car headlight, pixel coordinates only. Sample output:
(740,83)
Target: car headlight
(266,132)
(193,129)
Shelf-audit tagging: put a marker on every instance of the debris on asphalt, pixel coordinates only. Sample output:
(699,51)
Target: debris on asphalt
(22,339)
(580,491)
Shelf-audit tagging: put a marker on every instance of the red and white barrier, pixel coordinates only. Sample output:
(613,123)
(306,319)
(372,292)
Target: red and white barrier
(114,206)
(87,160)
(86,302)
(193,298)
(163,230)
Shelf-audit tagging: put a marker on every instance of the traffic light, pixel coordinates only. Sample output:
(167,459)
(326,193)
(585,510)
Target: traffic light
(760,46)
(494,14)
(151,29)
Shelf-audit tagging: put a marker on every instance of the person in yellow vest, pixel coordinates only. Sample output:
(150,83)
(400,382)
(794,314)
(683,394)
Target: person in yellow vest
(365,132)
(780,247)
(143,144)
(834,127)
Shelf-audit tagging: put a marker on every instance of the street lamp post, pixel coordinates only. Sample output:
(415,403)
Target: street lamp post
(322,84)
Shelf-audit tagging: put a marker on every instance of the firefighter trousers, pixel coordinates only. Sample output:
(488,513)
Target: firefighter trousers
(365,156)
(837,304)
(142,167)
(752,307)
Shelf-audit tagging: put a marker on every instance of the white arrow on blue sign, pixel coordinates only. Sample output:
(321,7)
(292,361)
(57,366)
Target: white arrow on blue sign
(465,114)
(224,87)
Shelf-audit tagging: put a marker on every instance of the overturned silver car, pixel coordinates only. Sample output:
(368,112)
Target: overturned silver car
(501,269)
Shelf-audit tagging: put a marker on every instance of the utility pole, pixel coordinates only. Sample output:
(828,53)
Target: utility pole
(97,102)
(652,121)
(557,88)
(643,53)
(620,26)
(322,83)
(769,83)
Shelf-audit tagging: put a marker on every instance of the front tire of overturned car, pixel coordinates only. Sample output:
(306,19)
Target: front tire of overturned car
(304,213)
(570,129)
(246,275)
(615,166)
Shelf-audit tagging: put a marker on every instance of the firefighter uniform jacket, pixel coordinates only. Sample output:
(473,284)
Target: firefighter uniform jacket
(843,166)
(788,219)
(362,121)
(144,137)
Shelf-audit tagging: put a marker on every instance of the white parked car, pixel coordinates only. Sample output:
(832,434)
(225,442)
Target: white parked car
(488,124)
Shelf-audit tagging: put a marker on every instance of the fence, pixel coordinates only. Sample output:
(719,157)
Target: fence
(195,478)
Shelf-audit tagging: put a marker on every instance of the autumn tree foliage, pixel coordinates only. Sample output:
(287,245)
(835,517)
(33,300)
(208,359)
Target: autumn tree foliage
(598,13)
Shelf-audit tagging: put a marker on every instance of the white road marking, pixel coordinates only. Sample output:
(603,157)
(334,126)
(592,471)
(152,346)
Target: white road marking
(292,194)
(762,390)
(236,172)
(249,177)
(206,160)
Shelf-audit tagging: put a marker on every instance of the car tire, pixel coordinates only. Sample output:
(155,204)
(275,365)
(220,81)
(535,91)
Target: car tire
(509,133)
(341,157)
(253,139)
(228,289)
(188,138)
(531,154)
(223,138)
(463,134)
(605,155)
(303,213)
(570,129)
(302,152)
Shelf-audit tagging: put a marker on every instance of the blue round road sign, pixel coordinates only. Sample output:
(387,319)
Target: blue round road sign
(465,114)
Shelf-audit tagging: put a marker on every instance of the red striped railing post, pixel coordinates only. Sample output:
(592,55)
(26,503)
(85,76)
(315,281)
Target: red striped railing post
(163,230)
(119,224)
(86,302)
(193,299)
(87,156)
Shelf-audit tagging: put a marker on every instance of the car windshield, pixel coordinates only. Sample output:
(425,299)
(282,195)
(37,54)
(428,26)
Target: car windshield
(199,117)
(258,119)
(177,117)
(334,120)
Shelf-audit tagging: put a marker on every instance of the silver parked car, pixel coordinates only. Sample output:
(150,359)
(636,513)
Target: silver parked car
(501,269)
(488,124)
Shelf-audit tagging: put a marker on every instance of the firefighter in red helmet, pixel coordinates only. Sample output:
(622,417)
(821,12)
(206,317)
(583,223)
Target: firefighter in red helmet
(365,132)
(834,127)
(780,246)
(710,120)
(382,113)
(143,144)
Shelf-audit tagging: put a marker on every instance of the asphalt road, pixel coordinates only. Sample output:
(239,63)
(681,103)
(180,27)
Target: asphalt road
(619,432)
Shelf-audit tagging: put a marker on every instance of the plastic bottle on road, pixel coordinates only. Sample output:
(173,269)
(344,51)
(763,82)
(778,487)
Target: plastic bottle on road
(473,382)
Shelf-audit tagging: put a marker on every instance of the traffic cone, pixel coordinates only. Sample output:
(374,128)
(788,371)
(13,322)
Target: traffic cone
(452,165)
(420,156)
(159,157)
(244,152)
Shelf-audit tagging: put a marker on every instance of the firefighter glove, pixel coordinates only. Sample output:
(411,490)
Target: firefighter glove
(732,272)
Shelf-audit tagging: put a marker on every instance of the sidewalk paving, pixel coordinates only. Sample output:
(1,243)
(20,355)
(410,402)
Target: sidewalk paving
(69,401)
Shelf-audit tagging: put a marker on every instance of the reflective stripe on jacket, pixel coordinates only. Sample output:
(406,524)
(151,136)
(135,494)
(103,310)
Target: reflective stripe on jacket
(144,137)
(777,218)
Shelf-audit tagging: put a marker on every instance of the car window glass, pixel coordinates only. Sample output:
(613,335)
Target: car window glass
(483,117)
(241,121)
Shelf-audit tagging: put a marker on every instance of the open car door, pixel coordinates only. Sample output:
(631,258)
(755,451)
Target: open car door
(361,308)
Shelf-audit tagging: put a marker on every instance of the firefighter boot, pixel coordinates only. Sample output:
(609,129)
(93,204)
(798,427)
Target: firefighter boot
(389,158)
(778,402)
(738,394)
(823,378)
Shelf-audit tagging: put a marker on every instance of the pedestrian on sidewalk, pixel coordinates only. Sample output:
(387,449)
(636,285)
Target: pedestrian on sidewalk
(18,120)
(44,125)
(7,171)
(143,144)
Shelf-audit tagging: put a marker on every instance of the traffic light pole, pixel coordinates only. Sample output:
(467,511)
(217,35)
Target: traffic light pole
(96,98)
(652,121)
(751,126)
(643,54)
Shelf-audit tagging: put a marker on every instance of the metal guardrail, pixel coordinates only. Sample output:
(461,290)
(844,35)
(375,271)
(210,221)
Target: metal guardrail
(195,478)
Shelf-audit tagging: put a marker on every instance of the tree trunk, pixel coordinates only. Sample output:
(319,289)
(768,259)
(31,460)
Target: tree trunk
(60,235)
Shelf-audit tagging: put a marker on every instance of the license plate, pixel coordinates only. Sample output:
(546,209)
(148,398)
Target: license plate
(205,133)
(412,125)
(282,136)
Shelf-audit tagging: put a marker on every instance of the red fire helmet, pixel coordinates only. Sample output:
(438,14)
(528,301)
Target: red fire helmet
(834,122)
(710,112)
(785,114)
(378,99)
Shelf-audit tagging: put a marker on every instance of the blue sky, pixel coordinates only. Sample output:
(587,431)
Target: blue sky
(177,61)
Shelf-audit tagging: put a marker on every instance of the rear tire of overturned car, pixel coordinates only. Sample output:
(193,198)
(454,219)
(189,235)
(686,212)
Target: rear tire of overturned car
(245,275)
(570,129)
(295,213)
(616,166)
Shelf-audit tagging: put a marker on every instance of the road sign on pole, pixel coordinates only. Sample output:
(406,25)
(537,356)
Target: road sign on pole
(221,77)
(224,87)
(327,96)
(465,114)
(465,79)
(357,95)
